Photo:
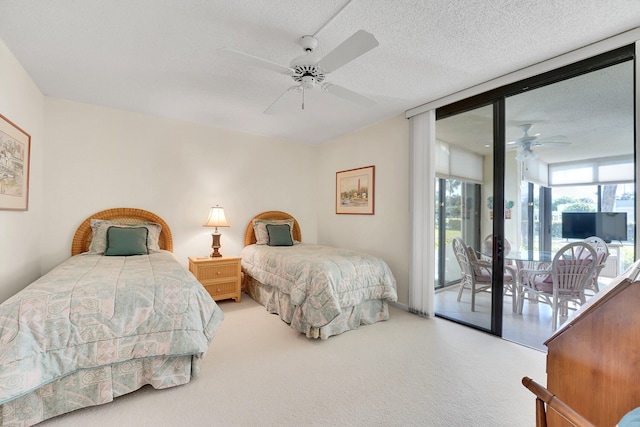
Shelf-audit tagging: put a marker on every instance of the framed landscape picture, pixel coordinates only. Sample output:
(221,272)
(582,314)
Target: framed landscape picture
(354,191)
(15,146)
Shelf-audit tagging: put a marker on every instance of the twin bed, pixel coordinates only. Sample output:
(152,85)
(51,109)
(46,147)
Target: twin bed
(97,326)
(122,312)
(318,290)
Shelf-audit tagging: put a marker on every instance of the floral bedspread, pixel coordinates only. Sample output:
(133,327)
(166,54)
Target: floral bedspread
(93,311)
(320,279)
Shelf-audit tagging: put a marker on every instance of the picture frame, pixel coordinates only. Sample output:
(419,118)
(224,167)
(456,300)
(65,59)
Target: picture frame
(355,190)
(15,157)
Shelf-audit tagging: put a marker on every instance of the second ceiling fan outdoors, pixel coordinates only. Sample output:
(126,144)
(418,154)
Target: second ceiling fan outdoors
(309,70)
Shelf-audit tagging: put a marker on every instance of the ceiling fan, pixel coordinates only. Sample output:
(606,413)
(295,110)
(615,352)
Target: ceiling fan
(309,70)
(526,143)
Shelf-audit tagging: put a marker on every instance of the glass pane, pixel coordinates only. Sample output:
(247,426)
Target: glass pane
(530,224)
(625,201)
(560,129)
(437,283)
(467,184)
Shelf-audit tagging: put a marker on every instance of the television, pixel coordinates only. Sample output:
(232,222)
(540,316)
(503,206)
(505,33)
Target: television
(608,226)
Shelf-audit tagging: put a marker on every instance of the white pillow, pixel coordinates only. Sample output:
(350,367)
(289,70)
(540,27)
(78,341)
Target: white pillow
(99,229)
(260,229)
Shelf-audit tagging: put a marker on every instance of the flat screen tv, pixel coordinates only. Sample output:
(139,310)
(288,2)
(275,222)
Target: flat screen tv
(608,226)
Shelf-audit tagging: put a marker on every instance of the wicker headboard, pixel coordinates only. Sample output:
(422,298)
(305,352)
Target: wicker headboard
(82,238)
(250,236)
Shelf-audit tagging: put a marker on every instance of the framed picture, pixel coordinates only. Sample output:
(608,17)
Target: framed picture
(354,191)
(15,146)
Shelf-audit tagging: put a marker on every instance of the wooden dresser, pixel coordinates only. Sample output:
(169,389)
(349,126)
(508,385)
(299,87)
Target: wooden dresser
(593,360)
(220,276)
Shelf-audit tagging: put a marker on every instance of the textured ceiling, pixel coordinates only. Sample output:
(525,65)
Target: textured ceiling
(159,56)
(592,113)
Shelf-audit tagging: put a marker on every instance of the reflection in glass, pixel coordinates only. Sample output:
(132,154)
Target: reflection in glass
(464,168)
(581,131)
(569,147)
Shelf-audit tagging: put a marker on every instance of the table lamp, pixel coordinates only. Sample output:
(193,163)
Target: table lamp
(216,219)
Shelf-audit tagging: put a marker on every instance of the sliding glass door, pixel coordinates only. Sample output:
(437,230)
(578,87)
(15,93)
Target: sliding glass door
(510,162)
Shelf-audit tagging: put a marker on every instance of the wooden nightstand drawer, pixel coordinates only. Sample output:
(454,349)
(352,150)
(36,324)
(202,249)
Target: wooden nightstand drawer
(219,290)
(220,276)
(210,272)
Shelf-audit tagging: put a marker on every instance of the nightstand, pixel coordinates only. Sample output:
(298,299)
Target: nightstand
(220,276)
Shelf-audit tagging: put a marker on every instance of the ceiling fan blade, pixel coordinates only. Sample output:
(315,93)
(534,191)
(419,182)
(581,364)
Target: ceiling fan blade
(556,138)
(276,106)
(349,95)
(359,43)
(552,144)
(534,140)
(254,60)
(557,141)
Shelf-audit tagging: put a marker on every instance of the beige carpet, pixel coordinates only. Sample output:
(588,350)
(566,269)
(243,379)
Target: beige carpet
(408,371)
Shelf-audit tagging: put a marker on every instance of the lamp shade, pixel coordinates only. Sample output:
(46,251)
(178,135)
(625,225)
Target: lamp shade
(216,218)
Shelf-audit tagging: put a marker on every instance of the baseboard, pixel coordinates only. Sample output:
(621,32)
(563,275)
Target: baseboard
(399,305)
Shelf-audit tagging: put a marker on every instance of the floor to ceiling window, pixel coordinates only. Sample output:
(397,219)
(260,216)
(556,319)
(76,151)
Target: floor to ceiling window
(550,146)
(457,215)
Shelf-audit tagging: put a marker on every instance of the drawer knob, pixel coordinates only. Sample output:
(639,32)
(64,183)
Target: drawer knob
(219,272)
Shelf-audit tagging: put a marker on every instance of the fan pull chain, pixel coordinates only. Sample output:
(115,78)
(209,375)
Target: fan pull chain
(303,97)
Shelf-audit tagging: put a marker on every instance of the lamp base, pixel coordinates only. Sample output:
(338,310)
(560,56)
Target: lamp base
(215,245)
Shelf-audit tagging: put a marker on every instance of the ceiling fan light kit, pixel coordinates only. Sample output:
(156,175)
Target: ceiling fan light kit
(526,154)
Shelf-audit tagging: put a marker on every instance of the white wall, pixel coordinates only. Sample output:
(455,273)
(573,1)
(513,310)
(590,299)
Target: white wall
(386,233)
(99,158)
(20,231)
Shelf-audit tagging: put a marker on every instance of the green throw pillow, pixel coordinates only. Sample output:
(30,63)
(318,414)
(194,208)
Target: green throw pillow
(126,241)
(279,235)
